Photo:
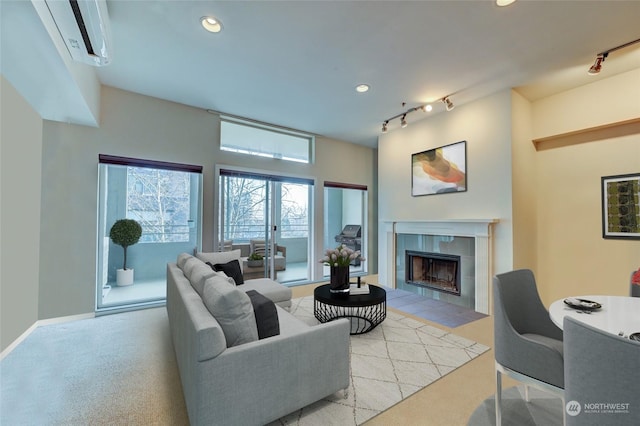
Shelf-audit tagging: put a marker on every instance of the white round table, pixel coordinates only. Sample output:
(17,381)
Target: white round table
(618,313)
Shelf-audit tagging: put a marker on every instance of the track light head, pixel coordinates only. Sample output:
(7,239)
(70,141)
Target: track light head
(426,108)
(384,127)
(403,123)
(597,65)
(448,104)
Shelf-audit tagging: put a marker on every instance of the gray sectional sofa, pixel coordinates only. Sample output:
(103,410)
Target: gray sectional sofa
(237,380)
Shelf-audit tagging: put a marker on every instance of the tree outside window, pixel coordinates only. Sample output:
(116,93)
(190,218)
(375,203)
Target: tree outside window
(160,201)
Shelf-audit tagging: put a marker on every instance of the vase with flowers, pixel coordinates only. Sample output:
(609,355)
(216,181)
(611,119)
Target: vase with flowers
(338,260)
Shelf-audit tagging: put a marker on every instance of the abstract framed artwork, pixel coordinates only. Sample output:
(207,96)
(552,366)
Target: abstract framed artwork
(621,206)
(439,170)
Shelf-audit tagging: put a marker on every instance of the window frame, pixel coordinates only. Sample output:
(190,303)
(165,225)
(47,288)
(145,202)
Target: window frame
(310,139)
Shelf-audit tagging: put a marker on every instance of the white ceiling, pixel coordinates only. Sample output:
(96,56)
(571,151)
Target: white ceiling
(296,63)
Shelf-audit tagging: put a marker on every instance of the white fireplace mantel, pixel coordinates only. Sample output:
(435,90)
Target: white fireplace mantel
(479,229)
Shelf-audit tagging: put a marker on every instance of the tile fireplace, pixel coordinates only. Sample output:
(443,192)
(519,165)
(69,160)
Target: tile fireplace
(433,270)
(470,241)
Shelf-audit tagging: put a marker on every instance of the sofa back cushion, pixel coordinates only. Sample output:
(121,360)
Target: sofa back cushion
(233,310)
(219,256)
(199,275)
(189,265)
(182,258)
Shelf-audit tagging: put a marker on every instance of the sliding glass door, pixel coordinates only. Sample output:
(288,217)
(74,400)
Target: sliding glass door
(164,198)
(266,216)
(345,221)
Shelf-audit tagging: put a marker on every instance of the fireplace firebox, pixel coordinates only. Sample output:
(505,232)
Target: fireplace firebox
(436,271)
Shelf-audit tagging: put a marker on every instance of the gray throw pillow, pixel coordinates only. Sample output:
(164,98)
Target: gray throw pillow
(232,308)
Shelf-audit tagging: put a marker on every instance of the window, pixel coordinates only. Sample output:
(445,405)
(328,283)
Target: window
(160,200)
(165,198)
(294,214)
(244,207)
(264,141)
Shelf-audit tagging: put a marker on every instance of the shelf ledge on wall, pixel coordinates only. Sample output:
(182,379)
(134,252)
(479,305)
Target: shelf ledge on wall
(605,131)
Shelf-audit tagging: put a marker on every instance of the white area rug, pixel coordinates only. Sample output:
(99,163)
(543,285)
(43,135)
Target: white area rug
(388,364)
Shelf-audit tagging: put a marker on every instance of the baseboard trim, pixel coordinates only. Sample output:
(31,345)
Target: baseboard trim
(19,340)
(59,320)
(40,323)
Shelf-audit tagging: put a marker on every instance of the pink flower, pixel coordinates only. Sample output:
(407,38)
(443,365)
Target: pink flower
(340,256)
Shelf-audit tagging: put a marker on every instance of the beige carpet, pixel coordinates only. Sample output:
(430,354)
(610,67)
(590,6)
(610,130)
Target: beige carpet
(398,358)
(113,370)
(120,369)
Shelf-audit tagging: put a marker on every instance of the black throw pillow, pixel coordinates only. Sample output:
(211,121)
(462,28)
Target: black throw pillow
(232,269)
(266,315)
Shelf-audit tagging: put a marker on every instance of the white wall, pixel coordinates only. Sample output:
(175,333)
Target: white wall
(600,103)
(486,126)
(142,127)
(572,257)
(20,159)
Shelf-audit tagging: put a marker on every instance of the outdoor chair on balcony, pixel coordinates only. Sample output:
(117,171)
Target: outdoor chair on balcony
(280,256)
(226,245)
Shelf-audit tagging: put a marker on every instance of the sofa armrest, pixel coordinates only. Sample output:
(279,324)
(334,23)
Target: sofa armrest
(282,250)
(261,381)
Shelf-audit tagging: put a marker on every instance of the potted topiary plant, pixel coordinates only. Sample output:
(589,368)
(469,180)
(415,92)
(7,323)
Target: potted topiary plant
(255,260)
(125,233)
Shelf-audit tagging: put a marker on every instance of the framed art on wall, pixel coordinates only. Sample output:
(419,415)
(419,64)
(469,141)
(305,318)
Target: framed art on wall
(621,206)
(439,170)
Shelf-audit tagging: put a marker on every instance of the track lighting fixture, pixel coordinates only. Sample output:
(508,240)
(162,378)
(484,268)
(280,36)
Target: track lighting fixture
(448,104)
(600,57)
(403,115)
(597,65)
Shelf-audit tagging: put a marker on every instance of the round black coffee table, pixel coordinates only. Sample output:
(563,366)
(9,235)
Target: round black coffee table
(365,311)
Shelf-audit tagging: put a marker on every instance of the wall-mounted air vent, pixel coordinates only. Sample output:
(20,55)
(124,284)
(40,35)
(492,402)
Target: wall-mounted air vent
(84,27)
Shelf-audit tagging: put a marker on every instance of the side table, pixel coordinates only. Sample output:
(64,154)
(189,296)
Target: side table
(366,311)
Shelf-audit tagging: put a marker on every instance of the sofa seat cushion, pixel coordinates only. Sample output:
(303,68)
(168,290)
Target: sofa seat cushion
(289,324)
(275,291)
(266,315)
(232,308)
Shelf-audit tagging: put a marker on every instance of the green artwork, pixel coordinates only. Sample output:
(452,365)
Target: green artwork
(622,202)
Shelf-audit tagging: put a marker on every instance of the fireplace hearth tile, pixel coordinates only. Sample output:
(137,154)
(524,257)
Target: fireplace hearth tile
(433,310)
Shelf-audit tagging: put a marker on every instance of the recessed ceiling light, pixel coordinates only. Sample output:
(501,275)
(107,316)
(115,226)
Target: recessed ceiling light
(504,2)
(361,88)
(211,24)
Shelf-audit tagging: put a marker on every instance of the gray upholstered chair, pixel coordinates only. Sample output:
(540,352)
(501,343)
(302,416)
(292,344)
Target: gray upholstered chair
(634,289)
(600,368)
(527,344)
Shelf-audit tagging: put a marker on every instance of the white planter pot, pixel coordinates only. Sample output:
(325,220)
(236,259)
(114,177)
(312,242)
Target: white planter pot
(124,277)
